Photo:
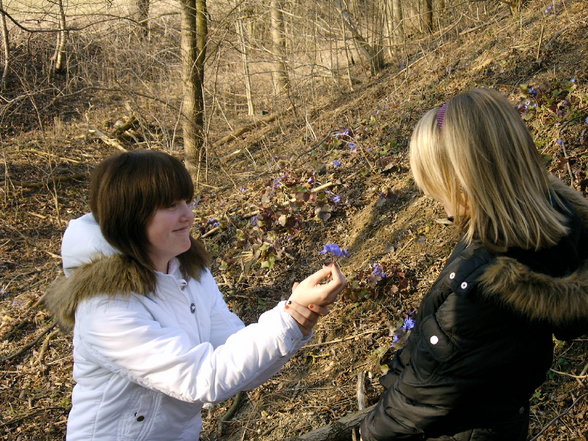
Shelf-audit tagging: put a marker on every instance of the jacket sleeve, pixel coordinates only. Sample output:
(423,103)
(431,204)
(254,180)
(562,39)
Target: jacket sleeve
(396,416)
(223,322)
(125,339)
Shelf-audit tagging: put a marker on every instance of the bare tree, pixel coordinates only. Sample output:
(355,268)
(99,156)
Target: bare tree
(245,57)
(371,53)
(5,46)
(59,54)
(142,16)
(194,32)
(428,15)
(398,20)
(280,74)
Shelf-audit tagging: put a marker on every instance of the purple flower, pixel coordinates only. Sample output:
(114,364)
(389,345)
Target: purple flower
(586,120)
(572,80)
(560,141)
(277,182)
(378,270)
(335,250)
(336,163)
(352,146)
(242,189)
(344,132)
(549,9)
(253,220)
(533,92)
(408,324)
(336,199)
(213,222)
(395,338)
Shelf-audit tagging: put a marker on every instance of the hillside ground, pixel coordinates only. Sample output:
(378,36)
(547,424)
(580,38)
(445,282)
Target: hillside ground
(276,195)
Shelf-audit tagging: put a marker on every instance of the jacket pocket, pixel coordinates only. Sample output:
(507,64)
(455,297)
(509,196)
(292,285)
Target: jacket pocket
(136,418)
(433,349)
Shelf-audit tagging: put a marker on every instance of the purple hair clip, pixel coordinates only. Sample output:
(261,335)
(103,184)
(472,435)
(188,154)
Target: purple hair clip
(441,115)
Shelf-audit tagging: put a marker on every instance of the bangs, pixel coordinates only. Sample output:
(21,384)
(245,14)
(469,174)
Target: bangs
(167,180)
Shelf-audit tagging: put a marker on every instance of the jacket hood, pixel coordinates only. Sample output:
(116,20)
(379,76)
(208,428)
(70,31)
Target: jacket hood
(82,242)
(99,269)
(106,275)
(560,301)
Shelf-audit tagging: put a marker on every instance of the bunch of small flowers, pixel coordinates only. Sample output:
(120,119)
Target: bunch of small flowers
(334,250)
(403,331)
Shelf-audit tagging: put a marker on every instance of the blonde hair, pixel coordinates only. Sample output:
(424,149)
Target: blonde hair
(480,160)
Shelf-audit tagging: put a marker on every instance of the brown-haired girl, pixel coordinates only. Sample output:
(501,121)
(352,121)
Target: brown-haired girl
(482,342)
(153,337)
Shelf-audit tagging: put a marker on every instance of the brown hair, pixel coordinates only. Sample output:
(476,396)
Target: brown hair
(125,191)
(482,162)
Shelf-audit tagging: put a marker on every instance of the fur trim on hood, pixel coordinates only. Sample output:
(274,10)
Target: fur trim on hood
(559,301)
(106,275)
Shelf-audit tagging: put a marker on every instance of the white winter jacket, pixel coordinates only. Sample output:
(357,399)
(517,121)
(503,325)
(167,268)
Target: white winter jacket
(145,364)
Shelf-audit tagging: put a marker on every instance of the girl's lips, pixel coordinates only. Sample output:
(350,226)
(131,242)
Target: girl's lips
(182,229)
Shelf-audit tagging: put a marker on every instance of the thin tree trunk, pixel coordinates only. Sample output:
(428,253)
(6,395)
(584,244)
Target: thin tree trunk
(143,18)
(398,21)
(194,32)
(5,47)
(59,54)
(428,16)
(362,44)
(245,58)
(280,73)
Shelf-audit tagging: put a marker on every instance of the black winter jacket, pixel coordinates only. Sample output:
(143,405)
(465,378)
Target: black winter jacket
(482,342)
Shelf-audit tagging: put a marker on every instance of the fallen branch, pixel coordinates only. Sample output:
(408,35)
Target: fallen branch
(340,430)
(37,184)
(30,345)
(20,418)
(237,401)
(339,340)
(108,140)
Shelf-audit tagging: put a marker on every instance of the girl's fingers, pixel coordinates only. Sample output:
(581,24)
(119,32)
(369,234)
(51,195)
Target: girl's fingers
(316,278)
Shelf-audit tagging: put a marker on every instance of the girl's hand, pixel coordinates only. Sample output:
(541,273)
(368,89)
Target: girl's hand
(312,291)
(306,317)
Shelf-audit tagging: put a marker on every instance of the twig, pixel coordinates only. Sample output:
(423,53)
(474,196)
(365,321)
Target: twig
(557,417)
(580,377)
(44,346)
(339,340)
(40,152)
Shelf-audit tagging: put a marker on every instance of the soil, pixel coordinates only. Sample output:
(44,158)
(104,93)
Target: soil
(265,226)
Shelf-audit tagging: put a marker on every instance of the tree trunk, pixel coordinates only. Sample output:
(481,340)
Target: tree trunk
(428,16)
(5,47)
(59,54)
(398,21)
(280,74)
(363,45)
(194,32)
(142,7)
(245,58)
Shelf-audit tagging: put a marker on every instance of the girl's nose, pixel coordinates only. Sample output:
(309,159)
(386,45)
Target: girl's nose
(187,210)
